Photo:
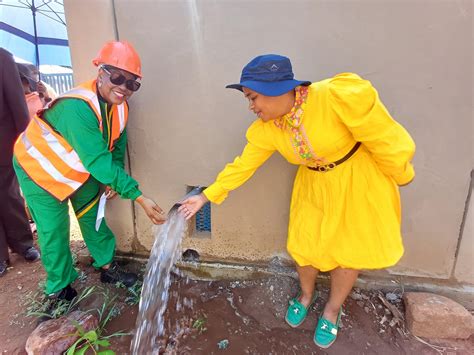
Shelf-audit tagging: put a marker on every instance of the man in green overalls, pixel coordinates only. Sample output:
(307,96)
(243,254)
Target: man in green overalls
(69,151)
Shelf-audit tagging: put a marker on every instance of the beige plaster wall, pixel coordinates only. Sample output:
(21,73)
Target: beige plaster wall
(185,126)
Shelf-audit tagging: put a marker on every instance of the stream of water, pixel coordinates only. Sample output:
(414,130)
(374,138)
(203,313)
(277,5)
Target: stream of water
(155,291)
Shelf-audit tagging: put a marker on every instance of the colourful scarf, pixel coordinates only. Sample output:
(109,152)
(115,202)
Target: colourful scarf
(292,122)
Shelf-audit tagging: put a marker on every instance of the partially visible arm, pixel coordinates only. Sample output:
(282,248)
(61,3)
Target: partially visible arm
(118,154)
(76,122)
(14,95)
(357,104)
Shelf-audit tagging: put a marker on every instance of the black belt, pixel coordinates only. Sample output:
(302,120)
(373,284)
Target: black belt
(330,166)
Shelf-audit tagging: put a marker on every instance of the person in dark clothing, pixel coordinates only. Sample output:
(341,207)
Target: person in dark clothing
(15,232)
(34,100)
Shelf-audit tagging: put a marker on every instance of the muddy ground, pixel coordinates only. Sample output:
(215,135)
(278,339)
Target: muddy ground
(244,317)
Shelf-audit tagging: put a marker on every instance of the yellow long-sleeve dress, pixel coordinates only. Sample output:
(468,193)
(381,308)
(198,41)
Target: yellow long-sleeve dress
(349,216)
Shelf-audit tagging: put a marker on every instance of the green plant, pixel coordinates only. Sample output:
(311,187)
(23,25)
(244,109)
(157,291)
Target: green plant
(133,293)
(74,258)
(37,304)
(93,339)
(33,300)
(82,276)
(89,340)
(108,310)
(200,324)
(40,305)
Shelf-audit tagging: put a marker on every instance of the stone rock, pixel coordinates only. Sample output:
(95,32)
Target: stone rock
(392,297)
(55,336)
(433,316)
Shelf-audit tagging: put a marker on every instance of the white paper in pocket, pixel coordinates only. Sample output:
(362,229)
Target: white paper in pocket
(101,211)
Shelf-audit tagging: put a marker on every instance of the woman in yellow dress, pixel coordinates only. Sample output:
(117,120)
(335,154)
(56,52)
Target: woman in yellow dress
(352,155)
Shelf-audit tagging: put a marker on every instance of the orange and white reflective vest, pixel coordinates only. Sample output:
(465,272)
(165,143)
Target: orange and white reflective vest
(47,157)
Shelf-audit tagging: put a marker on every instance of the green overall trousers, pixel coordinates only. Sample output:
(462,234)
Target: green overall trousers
(53,225)
(76,122)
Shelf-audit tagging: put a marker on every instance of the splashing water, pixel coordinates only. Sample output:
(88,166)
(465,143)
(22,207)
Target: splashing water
(155,291)
(154,297)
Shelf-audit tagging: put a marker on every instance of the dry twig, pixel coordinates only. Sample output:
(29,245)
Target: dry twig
(396,313)
(438,348)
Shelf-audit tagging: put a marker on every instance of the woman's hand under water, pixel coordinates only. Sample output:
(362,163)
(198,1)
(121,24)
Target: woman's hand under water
(191,205)
(152,210)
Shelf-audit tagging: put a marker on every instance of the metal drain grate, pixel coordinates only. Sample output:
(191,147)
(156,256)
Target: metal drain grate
(203,218)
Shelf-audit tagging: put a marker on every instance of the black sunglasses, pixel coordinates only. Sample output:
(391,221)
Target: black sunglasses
(118,79)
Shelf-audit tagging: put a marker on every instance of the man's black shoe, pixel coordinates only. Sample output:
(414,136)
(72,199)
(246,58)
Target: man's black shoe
(3,267)
(31,254)
(114,274)
(65,295)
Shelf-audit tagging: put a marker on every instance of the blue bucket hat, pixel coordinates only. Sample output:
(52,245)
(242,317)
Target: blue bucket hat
(269,75)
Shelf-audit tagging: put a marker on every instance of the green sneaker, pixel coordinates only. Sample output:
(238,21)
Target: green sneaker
(296,313)
(326,332)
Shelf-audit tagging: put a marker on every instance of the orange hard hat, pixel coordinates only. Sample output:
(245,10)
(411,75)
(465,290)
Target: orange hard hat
(119,54)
